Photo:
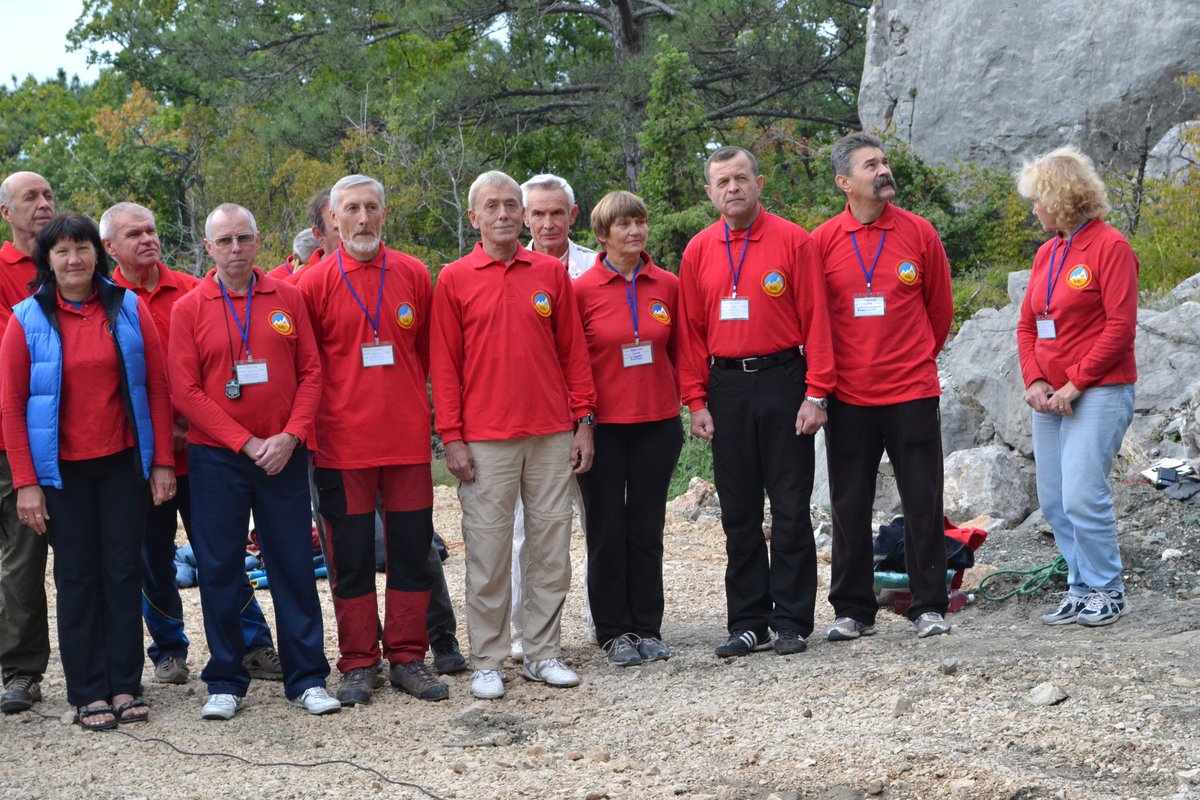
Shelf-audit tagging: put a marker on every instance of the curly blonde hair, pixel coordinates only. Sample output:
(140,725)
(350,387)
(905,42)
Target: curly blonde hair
(1066,184)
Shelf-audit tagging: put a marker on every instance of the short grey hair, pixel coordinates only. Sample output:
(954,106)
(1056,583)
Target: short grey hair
(305,244)
(492,180)
(349,182)
(728,153)
(227,208)
(844,149)
(109,218)
(547,181)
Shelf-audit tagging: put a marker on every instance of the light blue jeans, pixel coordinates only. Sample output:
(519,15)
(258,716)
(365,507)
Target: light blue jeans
(1074,456)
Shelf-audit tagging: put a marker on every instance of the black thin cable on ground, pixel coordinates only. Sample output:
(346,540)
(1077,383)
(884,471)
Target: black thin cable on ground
(329,762)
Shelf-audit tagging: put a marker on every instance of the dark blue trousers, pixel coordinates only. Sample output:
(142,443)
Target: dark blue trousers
(162,608)
(226,487)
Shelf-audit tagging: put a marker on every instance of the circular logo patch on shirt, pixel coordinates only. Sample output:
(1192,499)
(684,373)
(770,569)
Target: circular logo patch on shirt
(406,315)
(773,283)
(907,272)
(659,310)
(541,303)
(1080,277)
(281,322)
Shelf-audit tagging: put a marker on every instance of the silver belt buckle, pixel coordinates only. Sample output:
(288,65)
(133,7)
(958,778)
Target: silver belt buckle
(745,368)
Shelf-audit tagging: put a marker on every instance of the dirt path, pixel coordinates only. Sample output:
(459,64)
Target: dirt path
(888,716)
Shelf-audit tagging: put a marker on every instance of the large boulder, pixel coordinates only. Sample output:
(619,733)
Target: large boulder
(995,83)
(988,481)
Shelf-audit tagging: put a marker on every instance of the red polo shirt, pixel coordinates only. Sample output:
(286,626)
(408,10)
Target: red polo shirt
(509,356)
(91,398)
(889,359)
(16,271)
(371,416)
(1094,308)
(202,364)
(644,393)
(170,287)
(781,276)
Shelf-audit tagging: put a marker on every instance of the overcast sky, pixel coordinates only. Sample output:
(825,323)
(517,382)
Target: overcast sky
(35,40)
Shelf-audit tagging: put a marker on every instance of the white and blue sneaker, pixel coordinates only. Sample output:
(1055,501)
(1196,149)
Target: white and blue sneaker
(1103,607)
(1067,611)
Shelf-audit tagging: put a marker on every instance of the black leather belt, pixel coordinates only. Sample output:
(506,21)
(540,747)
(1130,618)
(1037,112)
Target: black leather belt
(757,363)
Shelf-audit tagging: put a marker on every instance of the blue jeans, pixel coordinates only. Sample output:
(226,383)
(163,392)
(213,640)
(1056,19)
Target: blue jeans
(1074,456)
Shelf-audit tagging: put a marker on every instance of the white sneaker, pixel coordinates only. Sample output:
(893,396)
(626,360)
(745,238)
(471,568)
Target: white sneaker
(931,623)
(316,700)
(221,706)
(550,671)
(517,652)
(487,684)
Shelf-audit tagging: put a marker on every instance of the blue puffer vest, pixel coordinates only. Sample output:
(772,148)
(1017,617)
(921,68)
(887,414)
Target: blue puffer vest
(39,320)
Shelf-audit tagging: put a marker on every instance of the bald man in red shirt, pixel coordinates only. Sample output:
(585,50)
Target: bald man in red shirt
(26,204)
(891,307)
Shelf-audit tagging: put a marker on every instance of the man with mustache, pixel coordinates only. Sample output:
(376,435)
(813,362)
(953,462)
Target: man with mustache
(130,236)
(890,305)
(369,306)
(26,204)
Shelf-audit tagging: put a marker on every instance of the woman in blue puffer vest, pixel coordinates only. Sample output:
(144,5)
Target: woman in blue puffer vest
(87,424)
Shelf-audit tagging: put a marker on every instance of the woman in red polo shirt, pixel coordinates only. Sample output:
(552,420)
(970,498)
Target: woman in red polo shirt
(627,306)
(1075,340)
(87,424)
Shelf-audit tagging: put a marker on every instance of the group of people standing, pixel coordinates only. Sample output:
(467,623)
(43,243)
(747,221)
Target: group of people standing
(557,373)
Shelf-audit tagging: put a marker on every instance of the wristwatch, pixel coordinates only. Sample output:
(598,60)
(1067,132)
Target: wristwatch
(820,402)
(587,419)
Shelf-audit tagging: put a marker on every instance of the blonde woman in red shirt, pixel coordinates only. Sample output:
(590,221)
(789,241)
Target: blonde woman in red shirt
(1075,340)
(627,305)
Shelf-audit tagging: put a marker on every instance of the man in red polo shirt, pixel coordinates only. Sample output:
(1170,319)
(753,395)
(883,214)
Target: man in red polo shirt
(755,370)
(511,377)
(891,306)
(26,204)
(130,236)
(369,306)
(249,345)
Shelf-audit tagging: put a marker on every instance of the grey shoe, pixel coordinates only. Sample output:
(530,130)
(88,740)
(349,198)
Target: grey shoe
(931,623)
(263,663)
(653,649)
(358,684)
(447,657)
(20,693)
(416,679)
(845,629)
(623,651)
(172,669)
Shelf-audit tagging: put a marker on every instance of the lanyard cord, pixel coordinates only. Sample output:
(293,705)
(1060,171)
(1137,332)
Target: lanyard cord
(874,261)
(244,330)
(630,294)
(1052,275)
(374,322)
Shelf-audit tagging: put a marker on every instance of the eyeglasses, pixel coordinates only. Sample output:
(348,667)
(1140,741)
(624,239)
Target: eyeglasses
(244,239)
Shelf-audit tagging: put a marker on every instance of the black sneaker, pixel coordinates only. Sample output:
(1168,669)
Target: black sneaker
(447,657)
(358,684)
(788,643)
(743,643)
(263,663)
(20,693)
(416,679)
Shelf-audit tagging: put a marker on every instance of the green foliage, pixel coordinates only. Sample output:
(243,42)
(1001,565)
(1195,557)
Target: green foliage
(695,460)
(1168,240)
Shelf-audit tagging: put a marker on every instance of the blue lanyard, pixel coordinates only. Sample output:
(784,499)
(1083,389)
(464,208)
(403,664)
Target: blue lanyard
(874,261)
(736,271)
(1052,276)
(630,294)
(243,329)
(378,300)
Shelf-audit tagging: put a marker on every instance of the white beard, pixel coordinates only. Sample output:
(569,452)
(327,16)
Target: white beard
(363,250)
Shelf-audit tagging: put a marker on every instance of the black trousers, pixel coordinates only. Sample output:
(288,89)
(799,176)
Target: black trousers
(96,524)
(755,448)
(624,504)
(855,440)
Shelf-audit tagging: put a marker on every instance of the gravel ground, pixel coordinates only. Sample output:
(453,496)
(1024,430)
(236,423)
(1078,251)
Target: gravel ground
(959,716)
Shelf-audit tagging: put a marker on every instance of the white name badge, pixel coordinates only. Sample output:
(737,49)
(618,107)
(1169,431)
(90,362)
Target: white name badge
(868,305)
(735,308)
(250,372)
(1045,328)
(636,355)
(378,355)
